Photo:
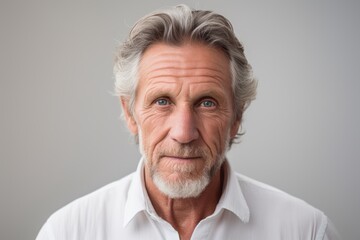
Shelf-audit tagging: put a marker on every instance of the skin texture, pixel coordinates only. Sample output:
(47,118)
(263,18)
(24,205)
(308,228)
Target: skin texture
(184,118)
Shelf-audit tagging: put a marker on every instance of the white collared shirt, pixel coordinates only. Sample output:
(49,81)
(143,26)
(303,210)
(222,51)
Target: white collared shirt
(247,209)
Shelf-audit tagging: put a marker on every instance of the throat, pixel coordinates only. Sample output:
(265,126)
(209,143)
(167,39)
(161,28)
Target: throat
(184,214)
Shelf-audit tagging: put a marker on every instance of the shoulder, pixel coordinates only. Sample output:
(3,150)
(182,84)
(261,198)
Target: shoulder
(112,193)
(94,209)
(269,205)
(272,199)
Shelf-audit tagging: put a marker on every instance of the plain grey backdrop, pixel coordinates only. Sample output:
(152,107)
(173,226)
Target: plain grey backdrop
(60,132)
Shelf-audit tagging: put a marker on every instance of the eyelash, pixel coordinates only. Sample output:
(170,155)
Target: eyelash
(202,103)
(157,101)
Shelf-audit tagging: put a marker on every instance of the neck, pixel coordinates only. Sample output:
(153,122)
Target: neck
(185,213)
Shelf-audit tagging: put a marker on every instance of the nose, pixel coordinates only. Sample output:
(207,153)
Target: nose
(183,125)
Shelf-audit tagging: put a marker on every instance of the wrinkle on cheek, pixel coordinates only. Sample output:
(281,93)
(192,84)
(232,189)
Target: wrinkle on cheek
(221,138)
(222,128)
(153,127)
(147,115)
(202,136)
(152,119)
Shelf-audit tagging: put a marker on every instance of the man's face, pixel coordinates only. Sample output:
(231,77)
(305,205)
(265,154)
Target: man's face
(183,115)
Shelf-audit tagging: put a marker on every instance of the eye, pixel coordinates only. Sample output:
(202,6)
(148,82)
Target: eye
(207,104)
(162,102)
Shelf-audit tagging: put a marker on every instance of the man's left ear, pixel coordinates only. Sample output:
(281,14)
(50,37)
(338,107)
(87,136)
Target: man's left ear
(235,128)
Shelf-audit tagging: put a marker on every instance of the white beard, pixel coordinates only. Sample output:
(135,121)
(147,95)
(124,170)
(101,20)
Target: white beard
(183,188)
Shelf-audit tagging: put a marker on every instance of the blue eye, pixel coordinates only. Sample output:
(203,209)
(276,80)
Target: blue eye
(207,104)
(162,102)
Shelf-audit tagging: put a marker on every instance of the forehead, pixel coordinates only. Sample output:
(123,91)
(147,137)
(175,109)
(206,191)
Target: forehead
(189,60)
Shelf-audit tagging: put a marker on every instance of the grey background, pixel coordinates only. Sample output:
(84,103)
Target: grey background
(60,132)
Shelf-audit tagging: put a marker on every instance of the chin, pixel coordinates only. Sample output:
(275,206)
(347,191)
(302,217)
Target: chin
(181,188)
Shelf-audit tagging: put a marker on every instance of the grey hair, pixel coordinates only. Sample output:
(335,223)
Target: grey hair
(176,26)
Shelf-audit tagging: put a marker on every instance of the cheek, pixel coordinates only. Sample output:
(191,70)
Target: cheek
(153,129)
(215,131)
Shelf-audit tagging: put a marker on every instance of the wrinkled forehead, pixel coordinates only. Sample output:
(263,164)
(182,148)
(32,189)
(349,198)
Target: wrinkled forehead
(186,60)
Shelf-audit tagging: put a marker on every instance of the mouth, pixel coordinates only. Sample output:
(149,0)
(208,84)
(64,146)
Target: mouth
(181,158)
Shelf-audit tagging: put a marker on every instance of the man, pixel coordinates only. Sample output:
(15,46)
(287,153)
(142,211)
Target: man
(184,83)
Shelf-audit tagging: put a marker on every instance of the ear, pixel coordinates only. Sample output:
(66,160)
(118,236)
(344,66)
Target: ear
(129,117)
(235,128)
(236,124)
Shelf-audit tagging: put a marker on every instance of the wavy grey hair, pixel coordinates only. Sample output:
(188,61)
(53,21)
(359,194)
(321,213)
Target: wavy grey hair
(175,26)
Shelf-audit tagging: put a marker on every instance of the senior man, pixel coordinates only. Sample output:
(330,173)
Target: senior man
(184,83)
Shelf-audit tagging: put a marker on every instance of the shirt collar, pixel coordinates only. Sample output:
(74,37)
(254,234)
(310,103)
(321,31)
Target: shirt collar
(232,197)
(136,201)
